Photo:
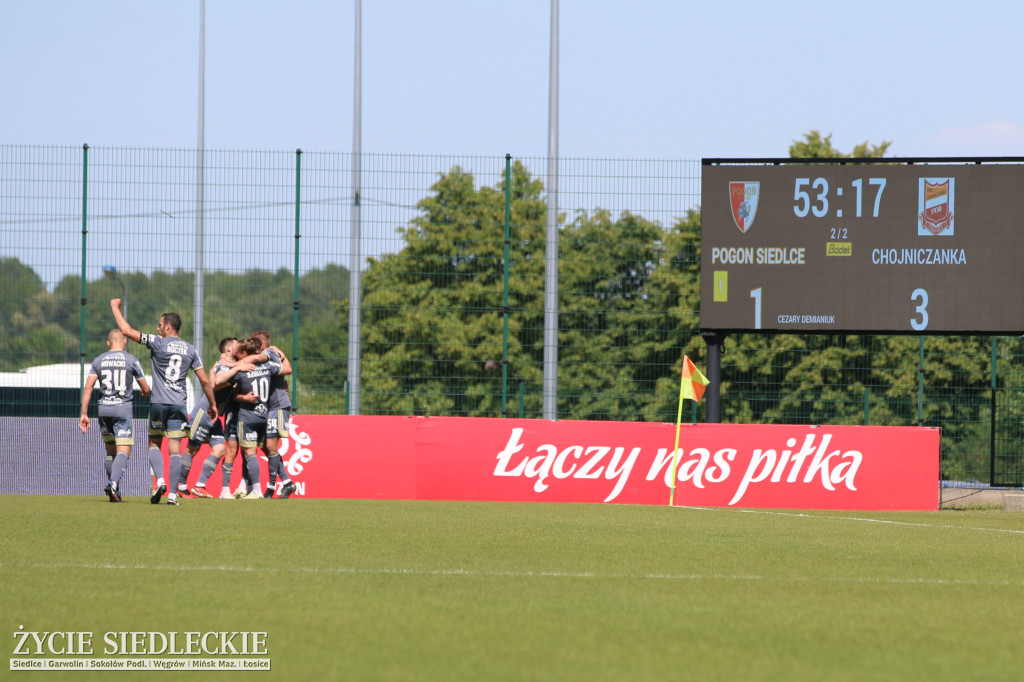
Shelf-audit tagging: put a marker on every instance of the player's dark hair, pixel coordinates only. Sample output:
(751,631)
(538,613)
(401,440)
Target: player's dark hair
(173,319)
(251,346)
(224,343)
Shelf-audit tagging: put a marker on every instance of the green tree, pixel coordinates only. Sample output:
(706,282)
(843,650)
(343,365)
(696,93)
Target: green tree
(18,283)
(30,328)
(605,272)
(814,146)
(673,320)
(322,366)
(42,328)
(432,316)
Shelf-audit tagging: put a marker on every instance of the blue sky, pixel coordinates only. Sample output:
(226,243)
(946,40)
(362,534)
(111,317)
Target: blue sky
(642,79)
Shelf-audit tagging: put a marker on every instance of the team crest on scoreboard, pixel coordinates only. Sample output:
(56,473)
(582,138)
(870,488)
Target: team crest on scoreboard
(935,206)
(743,201)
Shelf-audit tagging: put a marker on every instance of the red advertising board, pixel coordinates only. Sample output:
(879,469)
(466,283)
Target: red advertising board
(526,460)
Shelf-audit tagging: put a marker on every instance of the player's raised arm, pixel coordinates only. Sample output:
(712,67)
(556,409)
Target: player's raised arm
(122,324)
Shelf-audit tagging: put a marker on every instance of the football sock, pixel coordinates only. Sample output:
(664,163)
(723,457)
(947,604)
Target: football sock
(156,462)
(208,466)
(225,472)
(107,463)
(186,466)
(246,477)
(252,467)
(117,468)
(273,467)
(174,472)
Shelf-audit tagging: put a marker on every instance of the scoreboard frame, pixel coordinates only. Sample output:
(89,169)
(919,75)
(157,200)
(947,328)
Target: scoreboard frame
(914,245)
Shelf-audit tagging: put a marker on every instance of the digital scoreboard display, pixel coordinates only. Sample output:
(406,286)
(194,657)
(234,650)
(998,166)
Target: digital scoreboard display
(930,248)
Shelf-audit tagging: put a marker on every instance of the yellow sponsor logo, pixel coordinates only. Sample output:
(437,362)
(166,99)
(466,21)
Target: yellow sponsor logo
(839,249)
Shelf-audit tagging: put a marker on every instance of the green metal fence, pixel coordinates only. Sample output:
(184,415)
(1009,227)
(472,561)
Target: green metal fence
(446,328)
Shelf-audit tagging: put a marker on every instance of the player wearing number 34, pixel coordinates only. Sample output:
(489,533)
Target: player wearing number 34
(172,358)
(116,371)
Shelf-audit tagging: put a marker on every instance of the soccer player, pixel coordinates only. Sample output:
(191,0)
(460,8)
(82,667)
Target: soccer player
(252,392)
(172,357)
(279,410)
(225,380)
(116,371)
(205,431)
(202,430)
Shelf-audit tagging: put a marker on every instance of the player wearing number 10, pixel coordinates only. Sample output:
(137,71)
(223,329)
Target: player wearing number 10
(253,390)
(172,358)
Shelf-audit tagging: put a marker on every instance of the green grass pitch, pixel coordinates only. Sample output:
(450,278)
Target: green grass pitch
(379,590)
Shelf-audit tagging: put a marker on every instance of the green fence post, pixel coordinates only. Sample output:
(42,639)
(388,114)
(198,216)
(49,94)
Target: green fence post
(920,384)
(992,418)
(85,234)
(504,298)
(295,301)
(867,406)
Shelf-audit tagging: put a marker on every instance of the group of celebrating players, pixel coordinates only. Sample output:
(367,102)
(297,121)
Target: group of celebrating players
(244,407)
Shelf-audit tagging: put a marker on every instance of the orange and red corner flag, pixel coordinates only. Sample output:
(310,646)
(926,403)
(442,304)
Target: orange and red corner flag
(693,381)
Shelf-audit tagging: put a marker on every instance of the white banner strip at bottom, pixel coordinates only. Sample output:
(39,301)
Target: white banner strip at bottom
(60,663)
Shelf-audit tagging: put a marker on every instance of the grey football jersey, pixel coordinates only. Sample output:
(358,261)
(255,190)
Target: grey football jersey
(116,372)
(279,399)
(222,396)
(256,381)
(172,358)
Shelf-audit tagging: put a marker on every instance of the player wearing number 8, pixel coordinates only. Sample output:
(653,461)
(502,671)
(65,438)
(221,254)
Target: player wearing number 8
(172,357)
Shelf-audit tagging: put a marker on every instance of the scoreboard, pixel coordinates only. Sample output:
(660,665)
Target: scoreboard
(930,247)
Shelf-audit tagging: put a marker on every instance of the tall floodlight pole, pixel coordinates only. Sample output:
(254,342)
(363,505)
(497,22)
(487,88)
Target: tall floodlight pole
(197,339)
(355,298)
(550,387)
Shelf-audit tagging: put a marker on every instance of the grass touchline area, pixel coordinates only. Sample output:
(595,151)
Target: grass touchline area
(403,590)
(455,572)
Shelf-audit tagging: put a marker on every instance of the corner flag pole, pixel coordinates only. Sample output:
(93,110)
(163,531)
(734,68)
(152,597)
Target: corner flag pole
(691,385)
(675,448)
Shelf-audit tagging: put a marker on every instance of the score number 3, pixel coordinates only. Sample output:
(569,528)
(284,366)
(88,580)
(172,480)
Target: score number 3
(921,297)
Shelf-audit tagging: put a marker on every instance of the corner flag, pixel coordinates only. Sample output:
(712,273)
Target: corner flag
(693,381)
(692,387)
